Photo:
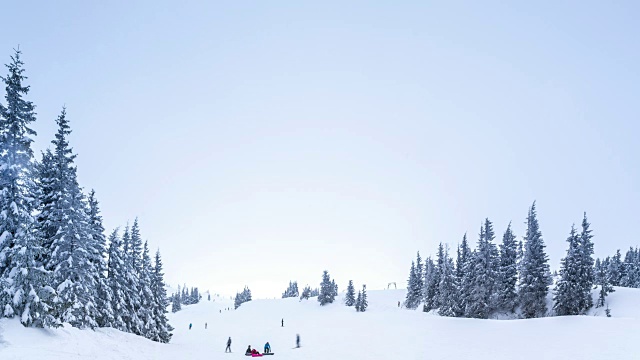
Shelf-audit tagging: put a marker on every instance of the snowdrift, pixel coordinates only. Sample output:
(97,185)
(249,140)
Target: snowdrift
(338,332)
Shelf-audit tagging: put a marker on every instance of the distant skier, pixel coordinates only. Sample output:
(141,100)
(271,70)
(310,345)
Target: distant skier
(398,303)
(297,340)
(282,322)
(267,348)
(190,325)
(228,345)
(205,326)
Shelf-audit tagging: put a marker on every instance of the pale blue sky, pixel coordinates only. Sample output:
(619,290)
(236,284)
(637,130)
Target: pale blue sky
(260,142)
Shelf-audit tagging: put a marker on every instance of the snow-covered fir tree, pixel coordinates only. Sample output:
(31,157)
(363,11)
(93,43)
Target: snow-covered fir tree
(534,277)
(291,291)
(483,299)
(585,267)
(363,299)
(132,295)
(176,304)
(327,289)
(315,292)
(147,299)
(24,283)
(605,287)
(116,278)
(242,297)
(447,288)
(358,301)
(350,296)
(97,256)
(567,292)
(508,272)
(306,293)
(431,286)
(412,299)
(615,269)
(419,275)
(74,276)
(462,267)
(163,329)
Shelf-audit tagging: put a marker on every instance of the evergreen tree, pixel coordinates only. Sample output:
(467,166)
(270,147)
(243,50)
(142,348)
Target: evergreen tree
(432,281)
(97,256)
(508,271)
(292,290)
(349,298)
(176,305)
(147,299)
(327,289)
(163,329)
(116,279)
(486,261)
(131,281)
(463,254)
(419,276)
(615,269)
(447,290)
(605,287)
(413,292)
(467,286)
(306,293)
(363,299)
(535,276)
(567,292)
(24,284)
(359,301)
(585,267)
(135,248)
(462,267)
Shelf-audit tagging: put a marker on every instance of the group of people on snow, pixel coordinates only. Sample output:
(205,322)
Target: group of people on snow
(254,352)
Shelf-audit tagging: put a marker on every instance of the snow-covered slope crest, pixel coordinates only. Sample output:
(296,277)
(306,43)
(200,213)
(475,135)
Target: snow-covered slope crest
(338,332)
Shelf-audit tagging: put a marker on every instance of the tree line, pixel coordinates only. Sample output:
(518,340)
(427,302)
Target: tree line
(512,278)
(55,266)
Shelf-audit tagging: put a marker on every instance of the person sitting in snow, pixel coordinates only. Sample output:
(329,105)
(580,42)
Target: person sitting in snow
(249,351)
(255,352)
(267,348)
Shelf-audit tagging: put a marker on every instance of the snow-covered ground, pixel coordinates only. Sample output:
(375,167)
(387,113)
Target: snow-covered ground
(338,332)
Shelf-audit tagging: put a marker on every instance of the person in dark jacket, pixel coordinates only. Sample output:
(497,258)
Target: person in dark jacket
(248,352)
(297,340)
(228,345)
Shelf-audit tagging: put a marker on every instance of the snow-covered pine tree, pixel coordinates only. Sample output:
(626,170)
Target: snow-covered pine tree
(135,248)
(605,287)
(486,274)
(350,297)
(175,303)
(615,269)
(315,292)
(335,289)
(358,301)
(463,254)
(163,328)
(74,276)
(363,299)
(462,265)
(534,277)
(412,300)
(585,267)
(630,273)
(327,289)
(508,272)
(467,286)
(306,293)
(447,289)
(419,276)
(432,281)
(132,288)
(567,293)
(147,300)
(24,284)
(97,256)
(116,278)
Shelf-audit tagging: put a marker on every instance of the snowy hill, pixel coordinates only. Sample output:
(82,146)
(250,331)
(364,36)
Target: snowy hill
(338,332)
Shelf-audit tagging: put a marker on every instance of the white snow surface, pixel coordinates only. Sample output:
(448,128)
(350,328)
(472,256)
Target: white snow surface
(338,332)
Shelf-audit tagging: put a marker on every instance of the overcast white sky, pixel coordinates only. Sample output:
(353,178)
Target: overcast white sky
(262,142)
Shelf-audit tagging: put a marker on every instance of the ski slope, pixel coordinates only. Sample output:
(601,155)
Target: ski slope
(338,332)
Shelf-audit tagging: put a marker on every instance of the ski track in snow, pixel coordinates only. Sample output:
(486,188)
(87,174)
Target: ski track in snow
(338,332)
